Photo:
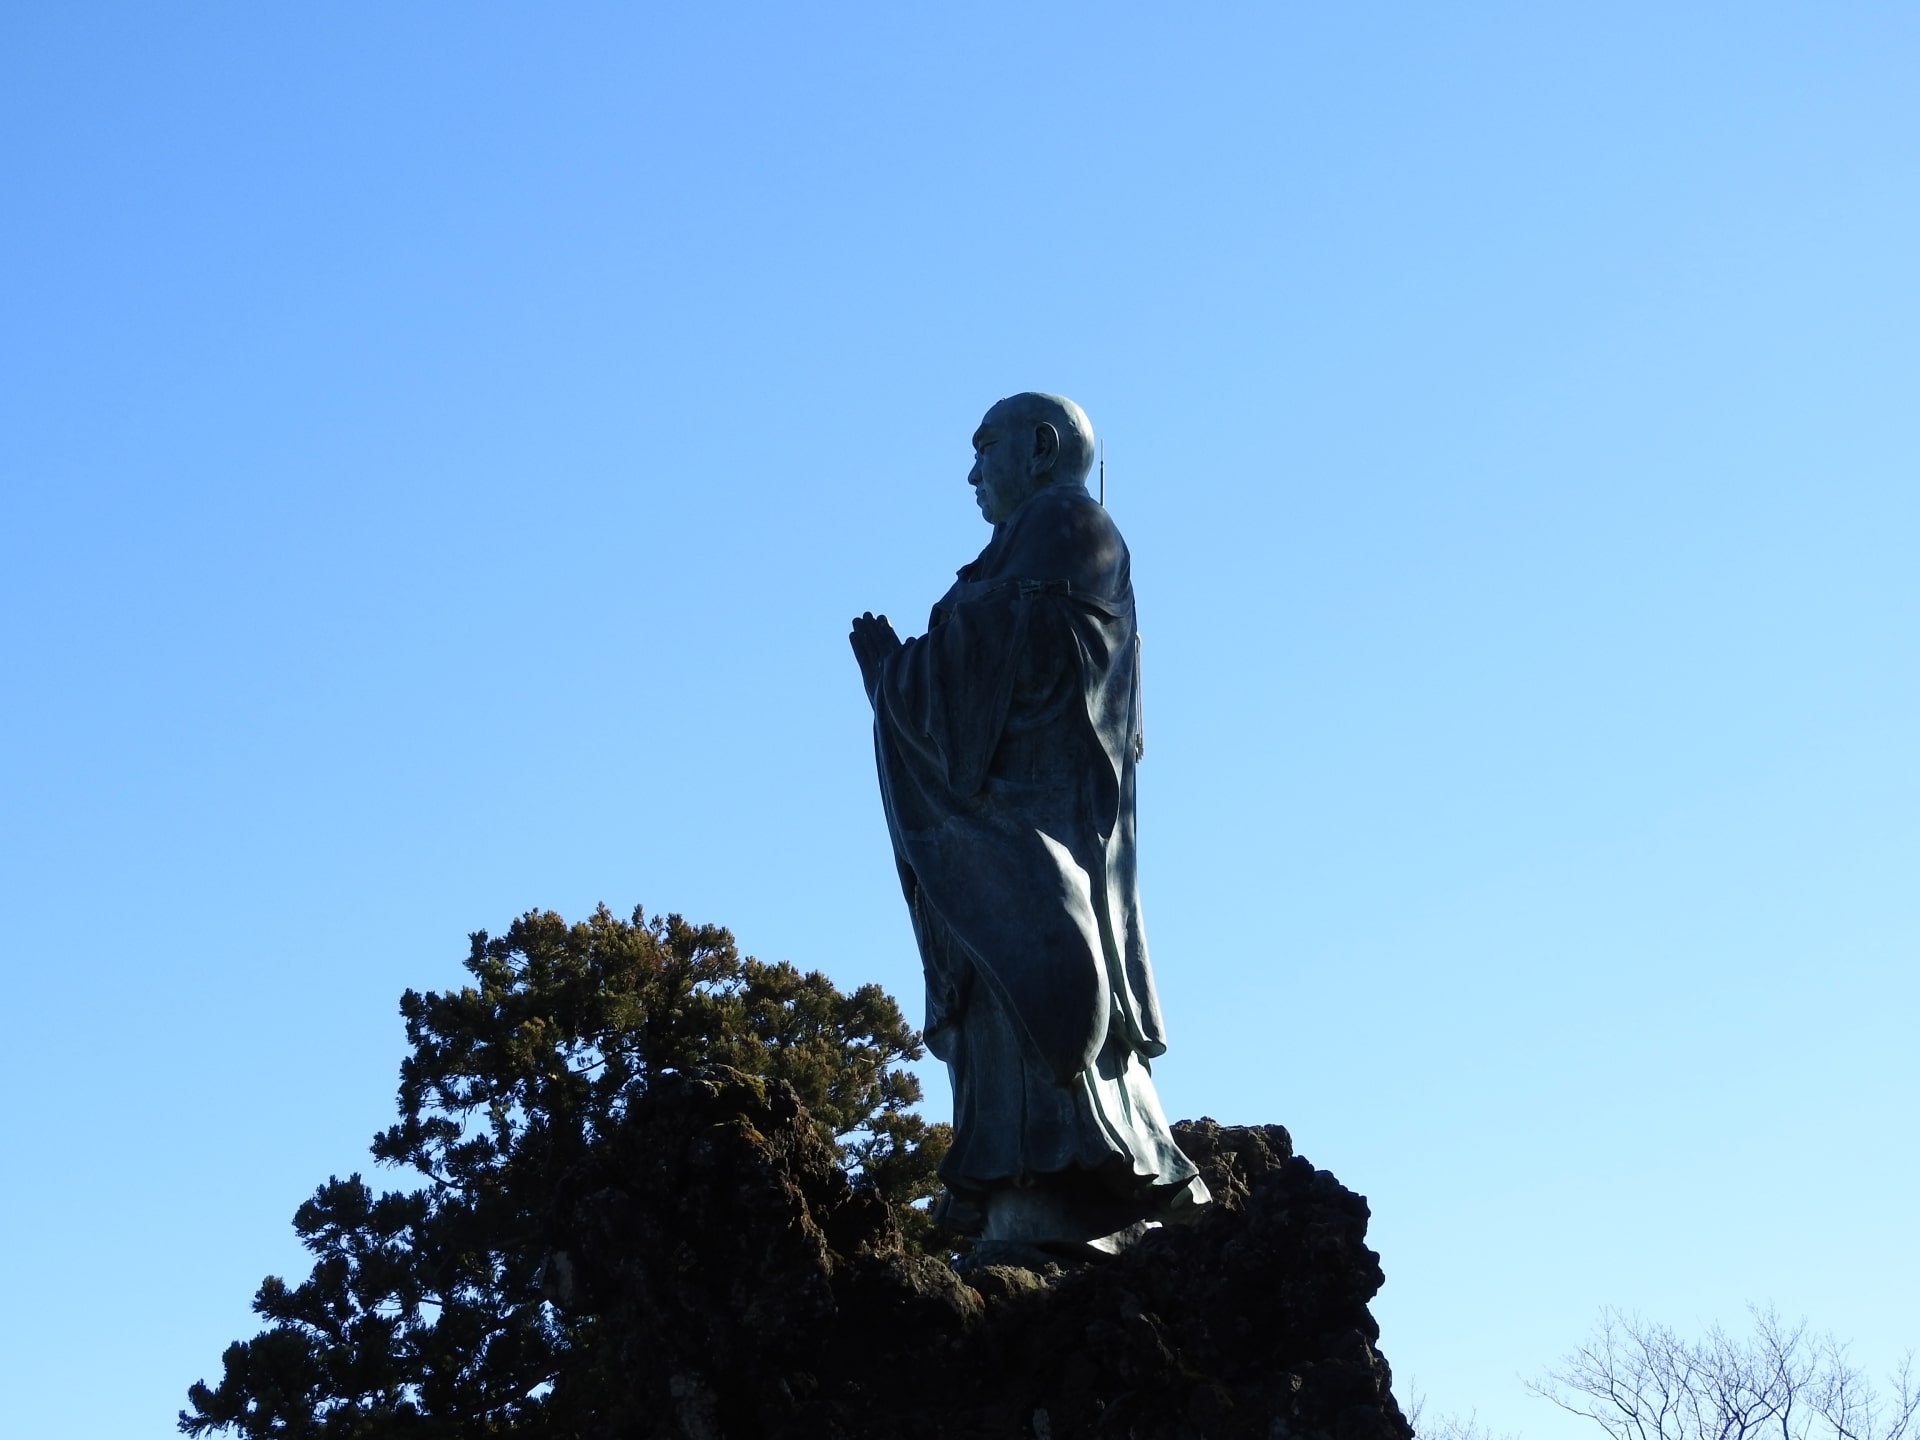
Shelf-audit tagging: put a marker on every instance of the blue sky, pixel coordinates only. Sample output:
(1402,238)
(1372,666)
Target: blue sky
(441,447)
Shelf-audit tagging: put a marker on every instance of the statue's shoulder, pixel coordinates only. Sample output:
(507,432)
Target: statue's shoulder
(1072,505)
(1064,532)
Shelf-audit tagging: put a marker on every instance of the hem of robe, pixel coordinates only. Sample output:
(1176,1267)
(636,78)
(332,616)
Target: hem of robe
(1013,1125)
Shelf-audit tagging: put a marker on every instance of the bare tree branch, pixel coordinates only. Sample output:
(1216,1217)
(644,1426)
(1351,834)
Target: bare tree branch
(1638,1380)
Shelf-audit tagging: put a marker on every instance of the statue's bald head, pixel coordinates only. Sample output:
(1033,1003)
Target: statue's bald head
(1073,432)
(1026,443)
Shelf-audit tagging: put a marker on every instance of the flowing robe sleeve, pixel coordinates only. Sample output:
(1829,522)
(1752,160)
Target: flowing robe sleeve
(944,695)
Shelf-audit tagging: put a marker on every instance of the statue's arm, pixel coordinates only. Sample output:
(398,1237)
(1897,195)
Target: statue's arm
(944,695)
(873,640)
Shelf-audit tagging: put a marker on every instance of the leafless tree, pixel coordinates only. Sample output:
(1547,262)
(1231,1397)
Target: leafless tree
(1640,1381)
(1447,1426)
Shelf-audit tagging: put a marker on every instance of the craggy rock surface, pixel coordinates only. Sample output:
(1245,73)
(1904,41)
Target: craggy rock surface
(740,1288)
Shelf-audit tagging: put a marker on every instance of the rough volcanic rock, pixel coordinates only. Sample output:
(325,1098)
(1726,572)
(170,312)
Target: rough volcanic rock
(735,1286)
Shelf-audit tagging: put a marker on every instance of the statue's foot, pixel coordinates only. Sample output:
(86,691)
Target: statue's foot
(1015,1253)
(1067,1220)
(1052,1255)
(1120,1239)
(964,1215)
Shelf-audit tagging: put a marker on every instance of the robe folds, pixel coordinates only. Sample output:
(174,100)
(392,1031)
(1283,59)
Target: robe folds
(1006,739)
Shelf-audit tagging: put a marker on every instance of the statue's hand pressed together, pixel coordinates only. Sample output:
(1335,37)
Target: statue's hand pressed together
(873,640)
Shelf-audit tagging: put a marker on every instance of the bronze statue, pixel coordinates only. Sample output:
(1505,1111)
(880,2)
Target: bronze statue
(1006,739)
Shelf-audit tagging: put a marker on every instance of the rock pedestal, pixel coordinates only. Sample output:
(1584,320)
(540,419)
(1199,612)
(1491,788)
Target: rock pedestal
(740,1288)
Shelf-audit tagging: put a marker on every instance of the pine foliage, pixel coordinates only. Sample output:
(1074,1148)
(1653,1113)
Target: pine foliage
(424,1315)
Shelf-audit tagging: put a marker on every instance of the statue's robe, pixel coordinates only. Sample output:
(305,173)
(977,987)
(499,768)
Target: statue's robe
(1006,739)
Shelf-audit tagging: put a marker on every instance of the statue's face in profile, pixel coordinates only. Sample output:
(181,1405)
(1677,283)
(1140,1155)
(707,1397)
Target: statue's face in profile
(1002,476)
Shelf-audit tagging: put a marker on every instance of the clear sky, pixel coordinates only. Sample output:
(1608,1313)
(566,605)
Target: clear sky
(442,444)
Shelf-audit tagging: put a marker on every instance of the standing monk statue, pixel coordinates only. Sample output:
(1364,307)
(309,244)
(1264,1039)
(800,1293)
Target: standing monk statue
(1006,739)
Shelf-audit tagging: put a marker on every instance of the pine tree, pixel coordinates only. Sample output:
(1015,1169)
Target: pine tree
(424,1315)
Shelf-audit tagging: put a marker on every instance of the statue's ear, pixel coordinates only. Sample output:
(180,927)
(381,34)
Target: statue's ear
(1046,447)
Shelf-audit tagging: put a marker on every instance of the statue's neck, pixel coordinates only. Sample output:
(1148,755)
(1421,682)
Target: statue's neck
(984,562)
